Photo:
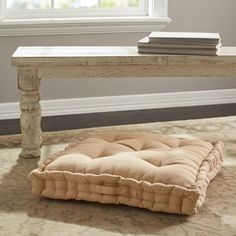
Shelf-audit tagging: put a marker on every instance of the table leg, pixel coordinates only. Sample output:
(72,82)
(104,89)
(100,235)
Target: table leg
(30,119)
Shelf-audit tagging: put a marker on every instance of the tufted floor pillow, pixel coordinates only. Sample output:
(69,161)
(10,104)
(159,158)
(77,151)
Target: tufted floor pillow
(152,171)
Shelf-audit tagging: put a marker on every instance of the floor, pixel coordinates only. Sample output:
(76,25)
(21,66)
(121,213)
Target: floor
(21,213)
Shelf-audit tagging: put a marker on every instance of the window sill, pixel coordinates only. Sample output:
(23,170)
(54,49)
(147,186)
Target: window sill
(82,25)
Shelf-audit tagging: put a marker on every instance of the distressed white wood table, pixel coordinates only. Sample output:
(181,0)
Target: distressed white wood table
(36,63)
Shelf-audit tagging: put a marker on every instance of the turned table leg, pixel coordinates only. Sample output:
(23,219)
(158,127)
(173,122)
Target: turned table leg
(30,119)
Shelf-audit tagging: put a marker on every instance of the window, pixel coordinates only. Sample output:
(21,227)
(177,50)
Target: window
(37,17)
(18,9)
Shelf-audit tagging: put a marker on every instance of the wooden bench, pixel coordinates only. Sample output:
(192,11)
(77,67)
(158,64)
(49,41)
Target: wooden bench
(36,63)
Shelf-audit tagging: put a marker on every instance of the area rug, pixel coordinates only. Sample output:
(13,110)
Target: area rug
(22,213)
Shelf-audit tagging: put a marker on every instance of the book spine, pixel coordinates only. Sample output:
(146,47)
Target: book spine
(179,52)
(179,46)
(184,41)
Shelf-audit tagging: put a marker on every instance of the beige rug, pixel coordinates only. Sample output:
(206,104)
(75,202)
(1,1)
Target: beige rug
(21,213)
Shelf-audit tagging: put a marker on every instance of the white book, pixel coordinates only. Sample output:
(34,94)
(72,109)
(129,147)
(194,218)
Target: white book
(178,51)
(184,37)
(145,42)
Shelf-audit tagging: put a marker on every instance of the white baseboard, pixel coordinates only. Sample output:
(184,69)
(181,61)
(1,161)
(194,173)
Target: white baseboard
(123,103)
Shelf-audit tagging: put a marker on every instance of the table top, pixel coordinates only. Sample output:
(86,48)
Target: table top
(93,55)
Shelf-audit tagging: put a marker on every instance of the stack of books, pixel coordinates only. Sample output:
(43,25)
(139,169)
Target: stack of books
(185,43)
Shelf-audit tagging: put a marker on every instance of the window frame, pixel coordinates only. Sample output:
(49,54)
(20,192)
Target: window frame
(154,17)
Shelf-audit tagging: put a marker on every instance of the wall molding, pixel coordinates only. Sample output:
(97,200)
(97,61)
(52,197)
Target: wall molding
(64,27)
(124,103)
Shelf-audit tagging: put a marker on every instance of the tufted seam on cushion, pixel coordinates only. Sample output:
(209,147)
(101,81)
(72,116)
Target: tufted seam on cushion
(142,134)
(127,145)
(55,155)
(149,145)
(140,187)
(206,172)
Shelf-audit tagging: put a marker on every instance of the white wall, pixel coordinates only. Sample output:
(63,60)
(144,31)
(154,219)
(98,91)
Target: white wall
(187,15)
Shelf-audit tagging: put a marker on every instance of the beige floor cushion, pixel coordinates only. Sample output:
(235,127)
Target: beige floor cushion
(152,171)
